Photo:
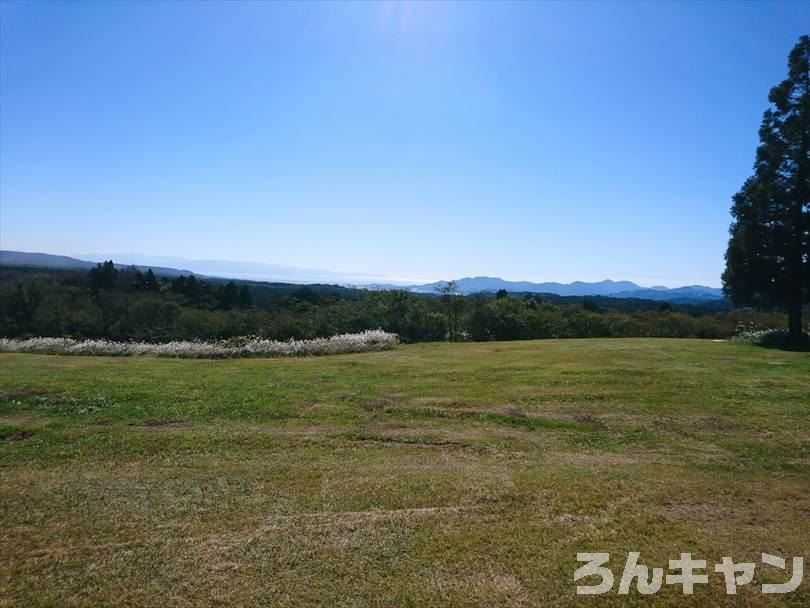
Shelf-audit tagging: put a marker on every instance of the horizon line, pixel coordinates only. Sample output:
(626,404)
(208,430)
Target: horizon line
(345,277)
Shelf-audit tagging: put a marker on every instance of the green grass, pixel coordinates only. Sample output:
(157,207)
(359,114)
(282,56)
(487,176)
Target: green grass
(437,474)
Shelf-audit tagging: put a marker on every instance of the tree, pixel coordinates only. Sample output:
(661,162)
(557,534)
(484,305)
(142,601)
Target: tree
(396,304)
(131,277)
(590,305)
(453,303)
(150,283)
(192,288)
(244,299)
(103,276)
(228,296)
(768,255)
(305,294)
(137,279)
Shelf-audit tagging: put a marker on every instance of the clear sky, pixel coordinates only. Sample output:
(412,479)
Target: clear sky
(529,141)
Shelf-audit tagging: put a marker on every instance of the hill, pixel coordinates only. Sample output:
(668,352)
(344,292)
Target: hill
(263,273)
(469,285)
(691,294)
(22,259)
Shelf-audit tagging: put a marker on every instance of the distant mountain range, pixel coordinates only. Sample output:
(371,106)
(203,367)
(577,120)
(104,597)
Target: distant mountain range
(271,272)
(175,266)
(62,262)
(615,289)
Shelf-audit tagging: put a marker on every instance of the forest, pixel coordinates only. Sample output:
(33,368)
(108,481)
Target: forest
(128,304)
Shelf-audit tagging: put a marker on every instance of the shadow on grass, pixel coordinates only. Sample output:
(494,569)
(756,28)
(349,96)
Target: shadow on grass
(778,339)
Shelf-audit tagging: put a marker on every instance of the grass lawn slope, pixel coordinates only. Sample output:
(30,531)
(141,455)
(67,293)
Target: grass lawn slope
(435,474)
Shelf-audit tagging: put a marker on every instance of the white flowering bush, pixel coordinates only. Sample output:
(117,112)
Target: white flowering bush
(370,340)
(754,334)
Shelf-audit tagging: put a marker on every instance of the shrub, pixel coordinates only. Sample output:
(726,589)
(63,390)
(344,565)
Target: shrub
(769,338)
(369,340)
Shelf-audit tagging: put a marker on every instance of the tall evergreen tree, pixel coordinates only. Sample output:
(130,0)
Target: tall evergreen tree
(192,287)
(137,279)
(228,296)
(768,256)
(451,297)
(103,276)
(150,283)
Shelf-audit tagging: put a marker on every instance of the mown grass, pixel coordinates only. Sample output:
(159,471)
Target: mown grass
(452,475)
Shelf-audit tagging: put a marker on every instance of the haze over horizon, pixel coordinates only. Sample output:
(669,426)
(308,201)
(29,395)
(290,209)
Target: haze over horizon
(409,141)
(260,271)
(343,275)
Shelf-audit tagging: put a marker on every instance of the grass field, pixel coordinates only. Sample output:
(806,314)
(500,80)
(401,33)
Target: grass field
(439,474)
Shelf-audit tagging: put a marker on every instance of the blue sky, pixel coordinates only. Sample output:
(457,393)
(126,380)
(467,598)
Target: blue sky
(413,140)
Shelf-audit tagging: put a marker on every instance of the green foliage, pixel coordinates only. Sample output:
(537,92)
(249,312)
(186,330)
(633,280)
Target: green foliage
(772,338)
(153,319)
(768,256)
(244,299)
(141,306)
(150,282)
(103,276)
(591,305)
(228,296)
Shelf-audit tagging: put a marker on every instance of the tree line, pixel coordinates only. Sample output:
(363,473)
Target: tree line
(129,304)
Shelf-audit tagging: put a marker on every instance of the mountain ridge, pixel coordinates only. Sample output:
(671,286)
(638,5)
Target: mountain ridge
(26,259)
(465,285)
(606,287)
